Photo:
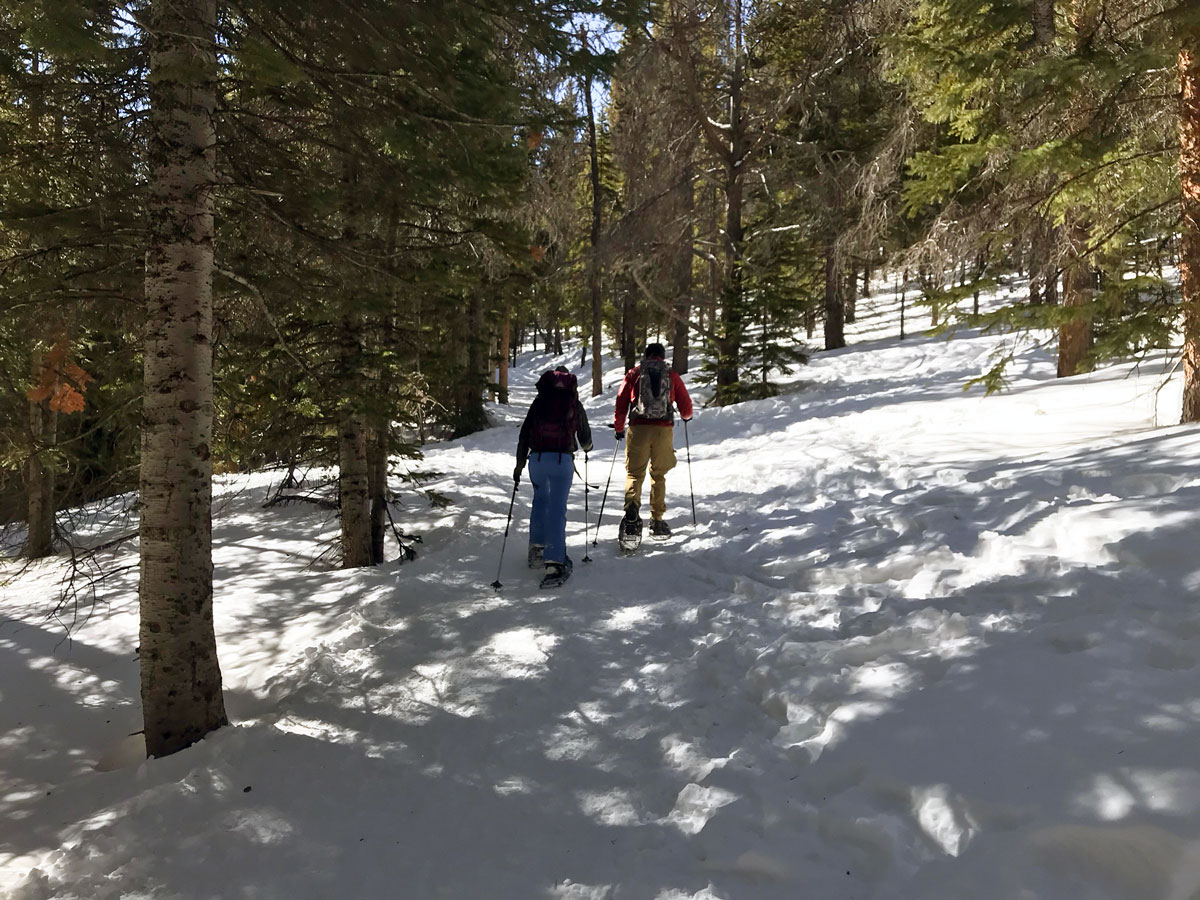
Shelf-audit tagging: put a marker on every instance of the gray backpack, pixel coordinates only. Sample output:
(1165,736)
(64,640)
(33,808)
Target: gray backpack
(653,400)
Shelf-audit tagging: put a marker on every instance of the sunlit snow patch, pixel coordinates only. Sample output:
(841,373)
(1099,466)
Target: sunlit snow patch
(695,805)
(524,649)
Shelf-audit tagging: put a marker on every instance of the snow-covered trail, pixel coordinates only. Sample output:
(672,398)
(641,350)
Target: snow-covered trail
(920,644)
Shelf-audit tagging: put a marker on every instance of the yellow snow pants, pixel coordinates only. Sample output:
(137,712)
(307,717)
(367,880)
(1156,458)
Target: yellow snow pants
(653,445)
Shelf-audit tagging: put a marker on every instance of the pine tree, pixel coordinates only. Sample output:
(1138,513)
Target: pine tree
(1187,30)
(71,256)
(181,678)
(1053,114)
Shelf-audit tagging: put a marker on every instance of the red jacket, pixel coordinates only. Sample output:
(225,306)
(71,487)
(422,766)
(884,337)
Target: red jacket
(628,393)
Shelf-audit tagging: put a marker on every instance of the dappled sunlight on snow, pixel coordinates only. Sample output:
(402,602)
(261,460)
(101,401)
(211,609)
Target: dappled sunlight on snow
(1112,796)
(626,618)
(262,828)
(317,728)
(919,643)
(523,649)
(696,804)
(617,807)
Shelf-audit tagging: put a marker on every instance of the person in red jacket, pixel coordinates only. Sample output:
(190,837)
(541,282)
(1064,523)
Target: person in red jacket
(648,396)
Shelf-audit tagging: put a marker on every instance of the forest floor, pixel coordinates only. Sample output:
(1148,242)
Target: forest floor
(920,643)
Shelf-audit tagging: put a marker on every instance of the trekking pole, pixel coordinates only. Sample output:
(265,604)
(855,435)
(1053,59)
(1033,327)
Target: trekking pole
(604,499)
(691,490)
(496,584)
(587,488)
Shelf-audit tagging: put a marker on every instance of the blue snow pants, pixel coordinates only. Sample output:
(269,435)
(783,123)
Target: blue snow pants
(551,474)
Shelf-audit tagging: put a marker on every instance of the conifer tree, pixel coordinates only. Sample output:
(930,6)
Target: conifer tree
(1187,31)
(70,253)
(1055,114)
(181,678)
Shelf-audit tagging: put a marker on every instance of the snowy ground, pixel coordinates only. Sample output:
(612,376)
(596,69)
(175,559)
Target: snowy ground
(921,644)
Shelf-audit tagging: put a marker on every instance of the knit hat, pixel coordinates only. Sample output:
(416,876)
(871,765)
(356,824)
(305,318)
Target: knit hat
(655,349)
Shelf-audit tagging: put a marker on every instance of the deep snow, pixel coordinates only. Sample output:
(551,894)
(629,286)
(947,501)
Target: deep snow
(921,644)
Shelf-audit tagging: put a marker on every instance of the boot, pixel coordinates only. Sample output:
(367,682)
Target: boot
(556,574)
(535,556)
(630,532)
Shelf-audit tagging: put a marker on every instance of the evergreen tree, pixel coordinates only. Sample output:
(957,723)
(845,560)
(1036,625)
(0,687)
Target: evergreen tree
(1055,115)
(181,678)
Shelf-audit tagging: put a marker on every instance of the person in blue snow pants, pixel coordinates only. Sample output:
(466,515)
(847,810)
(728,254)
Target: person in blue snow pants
(554,428)
(551,474)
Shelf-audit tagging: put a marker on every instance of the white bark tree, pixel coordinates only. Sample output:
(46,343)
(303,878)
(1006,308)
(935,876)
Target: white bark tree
(181,679)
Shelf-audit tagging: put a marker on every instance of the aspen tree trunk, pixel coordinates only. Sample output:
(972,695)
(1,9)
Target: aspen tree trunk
(835,314)
(180,676)
(1189,249)
(1075,336)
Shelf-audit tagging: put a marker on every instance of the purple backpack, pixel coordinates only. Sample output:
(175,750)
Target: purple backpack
(555,414)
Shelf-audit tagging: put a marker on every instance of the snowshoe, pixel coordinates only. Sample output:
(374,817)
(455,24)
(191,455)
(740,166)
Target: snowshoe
(535,556)
(556,574)
(630,535)
(659,530)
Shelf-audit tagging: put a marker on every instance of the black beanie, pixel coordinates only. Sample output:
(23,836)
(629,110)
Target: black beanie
(655,350)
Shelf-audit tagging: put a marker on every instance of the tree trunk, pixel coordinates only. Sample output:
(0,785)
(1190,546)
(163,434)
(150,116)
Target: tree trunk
(354,490)
(1189,248)
(1043,22)
(685,208)
(354,499)
(468,415)
(1075,336)
(1043,267)
(505,338)
(729,344)
(377,486)
(835,315)
(850,298)
(181,692)
(39,474)
(594,261)
(629,343)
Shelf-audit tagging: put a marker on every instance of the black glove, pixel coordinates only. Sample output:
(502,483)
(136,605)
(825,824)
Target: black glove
(620,435)
(517,474)
(586,448)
